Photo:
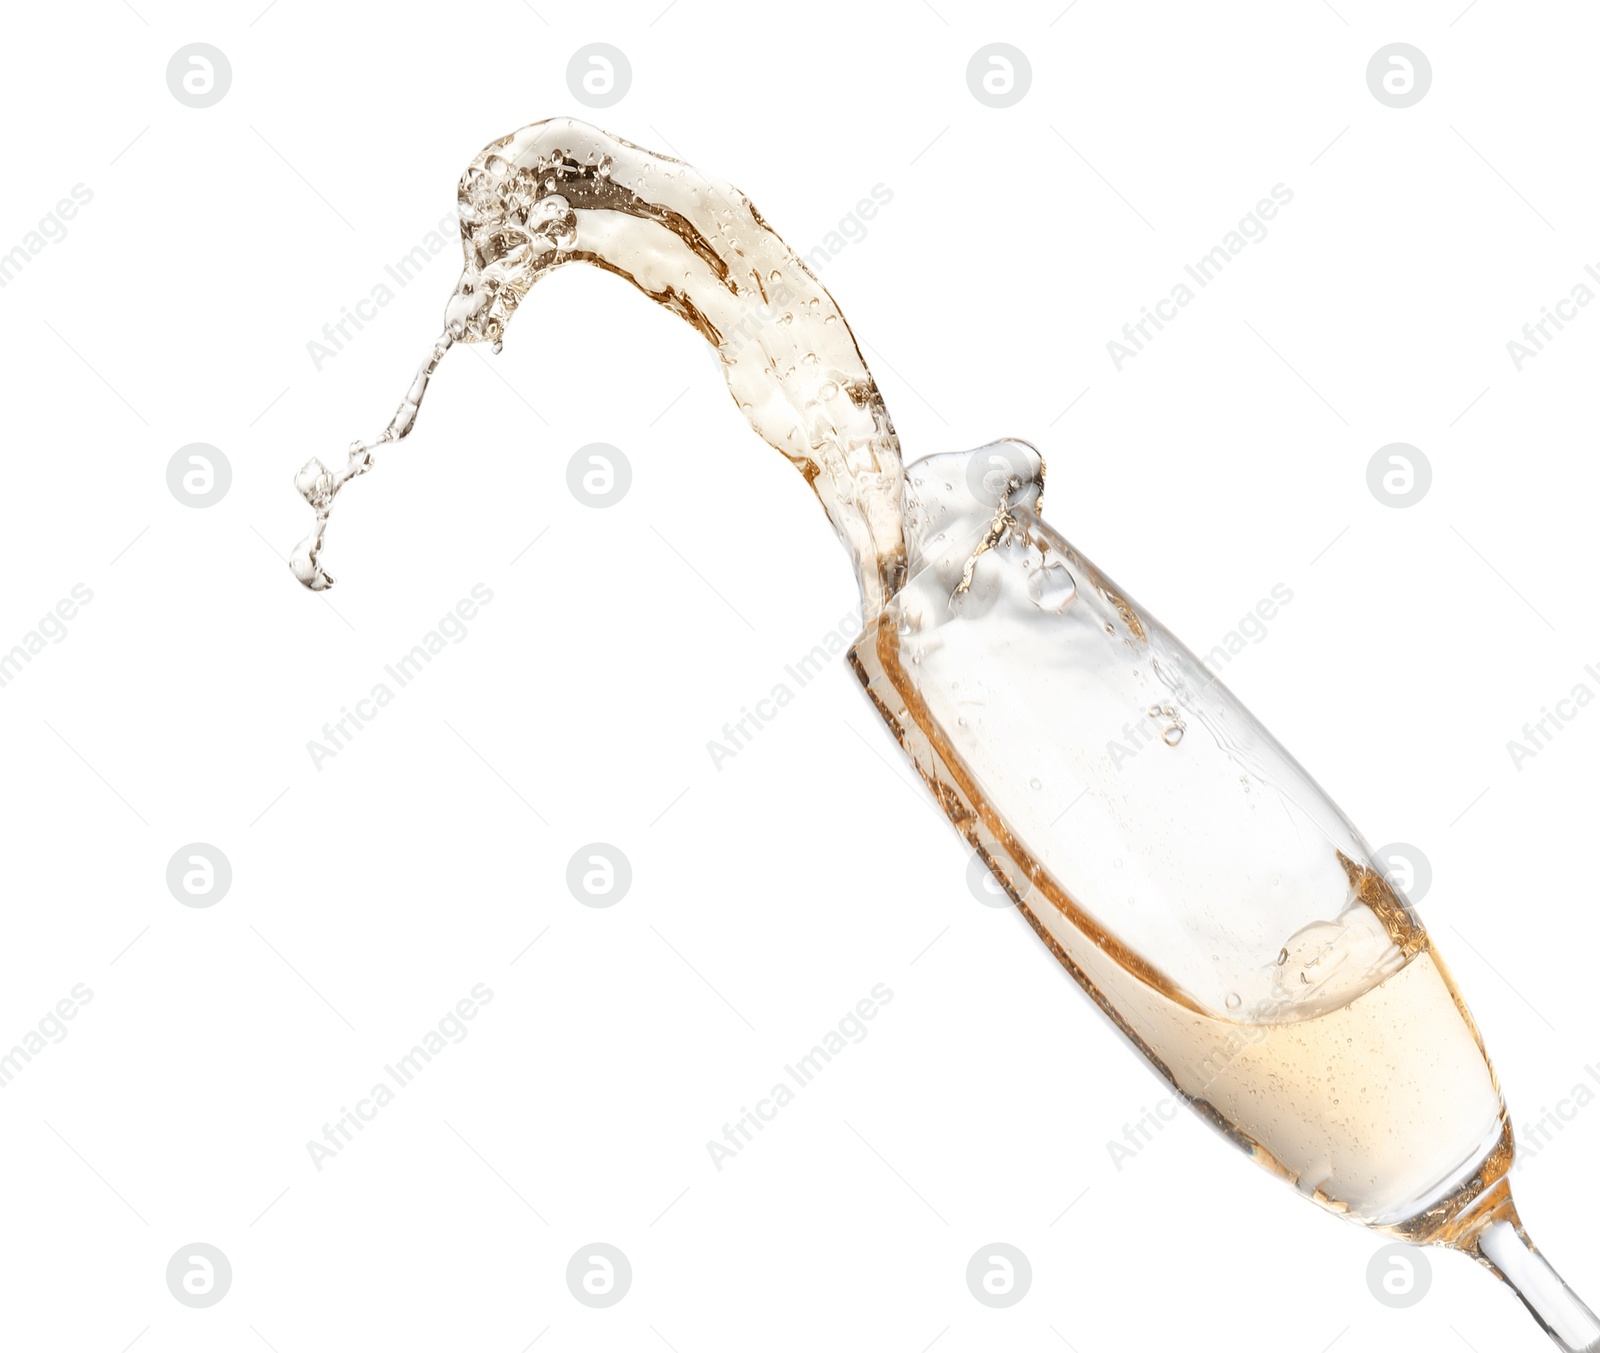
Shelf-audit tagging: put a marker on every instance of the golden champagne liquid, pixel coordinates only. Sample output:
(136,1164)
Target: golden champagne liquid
(1385,1110)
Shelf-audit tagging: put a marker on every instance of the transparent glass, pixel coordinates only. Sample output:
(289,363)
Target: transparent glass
(1178,862)
(1190,875)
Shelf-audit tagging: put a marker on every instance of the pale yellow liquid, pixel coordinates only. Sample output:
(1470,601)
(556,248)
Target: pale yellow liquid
(1383,1108)
(1380,1109)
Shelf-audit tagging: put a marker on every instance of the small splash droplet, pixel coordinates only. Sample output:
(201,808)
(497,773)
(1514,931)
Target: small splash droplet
(1172,734)
(1052,588)
(1233,1000)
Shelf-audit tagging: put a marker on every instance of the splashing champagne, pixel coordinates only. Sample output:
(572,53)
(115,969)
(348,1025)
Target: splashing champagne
(701,250)
(1207,895)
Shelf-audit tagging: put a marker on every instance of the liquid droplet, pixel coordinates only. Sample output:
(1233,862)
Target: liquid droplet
(1052,588)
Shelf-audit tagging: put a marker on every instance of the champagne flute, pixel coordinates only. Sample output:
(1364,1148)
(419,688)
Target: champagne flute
(1191,876)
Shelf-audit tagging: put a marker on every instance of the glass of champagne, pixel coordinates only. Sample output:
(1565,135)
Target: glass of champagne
(1191,876)
(1199,885)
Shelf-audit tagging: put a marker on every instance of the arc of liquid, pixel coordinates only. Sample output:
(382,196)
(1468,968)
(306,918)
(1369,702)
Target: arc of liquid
(560,192)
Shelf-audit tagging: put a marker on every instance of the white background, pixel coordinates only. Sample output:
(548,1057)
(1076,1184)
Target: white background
(772,894)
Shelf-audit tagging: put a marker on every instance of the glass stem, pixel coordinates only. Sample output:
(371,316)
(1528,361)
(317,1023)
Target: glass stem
(1498,1242)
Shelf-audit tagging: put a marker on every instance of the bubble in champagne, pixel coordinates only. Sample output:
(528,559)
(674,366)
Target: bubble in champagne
(1052,588)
